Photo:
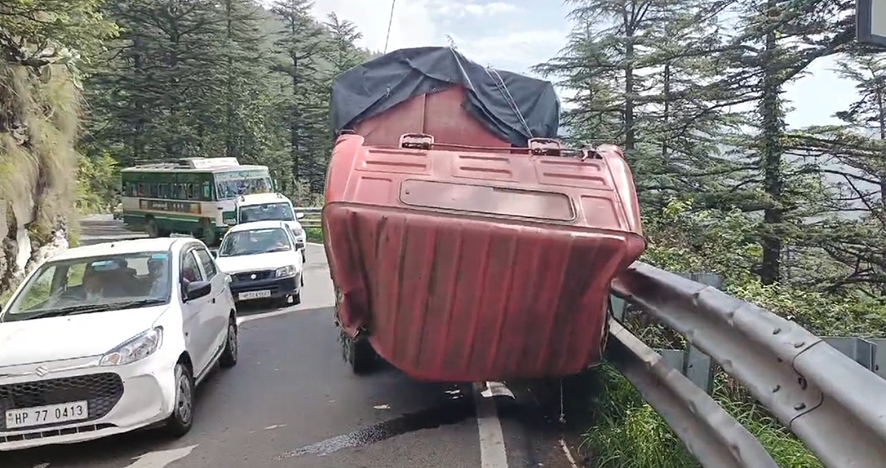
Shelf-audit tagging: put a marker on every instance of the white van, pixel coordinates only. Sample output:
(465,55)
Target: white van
(272,207)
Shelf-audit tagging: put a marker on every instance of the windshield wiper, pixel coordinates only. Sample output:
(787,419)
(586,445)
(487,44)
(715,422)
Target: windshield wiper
(73,310)
(90,308)
(245,252)
(136,303)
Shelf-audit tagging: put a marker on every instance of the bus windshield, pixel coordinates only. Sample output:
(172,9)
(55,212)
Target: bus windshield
(228,189)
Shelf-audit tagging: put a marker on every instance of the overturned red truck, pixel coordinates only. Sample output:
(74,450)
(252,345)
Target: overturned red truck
(466,243)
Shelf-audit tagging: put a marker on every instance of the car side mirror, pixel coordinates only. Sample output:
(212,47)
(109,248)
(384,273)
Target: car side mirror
(299,215)
(197,289)
(213,252)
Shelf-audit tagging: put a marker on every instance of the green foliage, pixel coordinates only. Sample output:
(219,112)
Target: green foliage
(98,181)
(314,234)
(30,27)
(228,78)
(40,109)
(724,185)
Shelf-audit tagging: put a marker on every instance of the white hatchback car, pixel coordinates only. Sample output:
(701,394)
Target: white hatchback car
(264,262)
(109,338)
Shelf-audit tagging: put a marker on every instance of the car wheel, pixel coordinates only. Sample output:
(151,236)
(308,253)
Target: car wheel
(182,417)
(229,356)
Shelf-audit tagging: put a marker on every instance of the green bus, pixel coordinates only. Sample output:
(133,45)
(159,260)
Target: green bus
(194,196)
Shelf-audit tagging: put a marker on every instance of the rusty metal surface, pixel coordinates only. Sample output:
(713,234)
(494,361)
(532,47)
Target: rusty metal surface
(836,406)
(471,264)
(714,437)
(461,299)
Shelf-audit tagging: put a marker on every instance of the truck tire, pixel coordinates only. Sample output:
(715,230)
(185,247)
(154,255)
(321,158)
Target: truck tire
(359,354)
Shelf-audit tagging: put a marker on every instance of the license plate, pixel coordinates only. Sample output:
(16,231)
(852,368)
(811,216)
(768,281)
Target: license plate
(50,414)
(243,296)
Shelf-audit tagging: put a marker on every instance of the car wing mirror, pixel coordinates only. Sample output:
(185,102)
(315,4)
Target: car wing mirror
(197,289)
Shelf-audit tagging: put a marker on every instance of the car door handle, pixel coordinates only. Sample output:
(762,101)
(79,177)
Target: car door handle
(213,300)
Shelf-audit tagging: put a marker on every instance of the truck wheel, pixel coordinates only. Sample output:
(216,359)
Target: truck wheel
(359,354)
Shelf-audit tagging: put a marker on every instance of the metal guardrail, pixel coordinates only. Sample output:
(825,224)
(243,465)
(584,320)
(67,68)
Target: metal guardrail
(834,403)
(312,216)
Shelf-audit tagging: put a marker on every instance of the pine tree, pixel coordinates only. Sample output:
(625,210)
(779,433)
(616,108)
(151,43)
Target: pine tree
(301,41)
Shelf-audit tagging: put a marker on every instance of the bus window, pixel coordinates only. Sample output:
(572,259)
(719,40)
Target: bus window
(207,191)
(141,190)
(153,191)
(164,190)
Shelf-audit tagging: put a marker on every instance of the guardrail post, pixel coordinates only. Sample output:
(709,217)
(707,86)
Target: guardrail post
(691,362)
(699,366)
(859,350)
(619,307)
(879,356)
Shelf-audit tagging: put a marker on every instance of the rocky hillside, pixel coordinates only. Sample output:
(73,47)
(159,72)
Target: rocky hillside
(40,108)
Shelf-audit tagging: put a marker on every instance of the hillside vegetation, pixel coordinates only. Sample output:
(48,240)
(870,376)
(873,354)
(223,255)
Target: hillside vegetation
(90,86)
(792,218)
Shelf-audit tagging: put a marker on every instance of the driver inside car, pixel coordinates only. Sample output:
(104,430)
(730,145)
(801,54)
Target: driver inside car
(157,276)
(92,286)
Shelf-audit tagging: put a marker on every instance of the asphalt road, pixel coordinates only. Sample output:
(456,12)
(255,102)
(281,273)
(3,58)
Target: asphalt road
(293,402)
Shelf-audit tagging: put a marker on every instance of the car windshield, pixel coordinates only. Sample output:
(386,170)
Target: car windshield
(254,241)
(266,212)
(93,284)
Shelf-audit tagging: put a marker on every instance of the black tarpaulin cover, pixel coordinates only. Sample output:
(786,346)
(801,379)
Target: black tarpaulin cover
(376,86)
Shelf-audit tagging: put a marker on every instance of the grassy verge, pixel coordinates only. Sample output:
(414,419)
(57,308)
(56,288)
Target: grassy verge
(314,234)
(628,433)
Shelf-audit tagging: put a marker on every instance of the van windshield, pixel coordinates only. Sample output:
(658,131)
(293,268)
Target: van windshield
(280,211)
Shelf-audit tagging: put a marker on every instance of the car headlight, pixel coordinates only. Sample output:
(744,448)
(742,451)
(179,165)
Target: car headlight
(298,232)
(285,271)
(134,349)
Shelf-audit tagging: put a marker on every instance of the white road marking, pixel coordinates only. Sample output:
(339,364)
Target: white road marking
(276,313)
(162,458)
(568,453)
(494,389)
(492,440)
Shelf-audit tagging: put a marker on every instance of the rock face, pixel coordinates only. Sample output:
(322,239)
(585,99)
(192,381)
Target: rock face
(39,110)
